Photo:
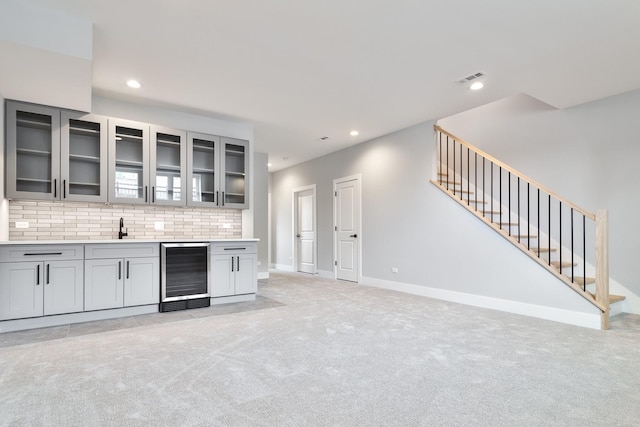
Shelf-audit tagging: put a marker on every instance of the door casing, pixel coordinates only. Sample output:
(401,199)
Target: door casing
(358,202)
(294,222)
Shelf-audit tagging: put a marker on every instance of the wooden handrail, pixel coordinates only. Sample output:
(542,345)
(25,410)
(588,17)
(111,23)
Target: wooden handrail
(518,174)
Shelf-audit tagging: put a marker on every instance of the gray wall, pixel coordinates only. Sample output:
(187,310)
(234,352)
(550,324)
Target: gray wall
(410,224)
(261,209)
(384,187)
(586,153)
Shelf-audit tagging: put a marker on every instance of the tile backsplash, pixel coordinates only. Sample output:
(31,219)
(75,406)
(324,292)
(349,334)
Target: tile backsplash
(98,221)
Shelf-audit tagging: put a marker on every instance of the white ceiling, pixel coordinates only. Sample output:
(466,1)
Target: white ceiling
(303,69)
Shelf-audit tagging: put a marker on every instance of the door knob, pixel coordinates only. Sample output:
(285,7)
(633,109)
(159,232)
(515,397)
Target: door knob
(354,235)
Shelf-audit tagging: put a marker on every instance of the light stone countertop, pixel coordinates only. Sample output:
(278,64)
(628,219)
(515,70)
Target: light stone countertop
(117,241)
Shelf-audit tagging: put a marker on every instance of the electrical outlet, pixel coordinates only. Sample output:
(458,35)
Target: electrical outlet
(394,269)
(159,225)
(22,224)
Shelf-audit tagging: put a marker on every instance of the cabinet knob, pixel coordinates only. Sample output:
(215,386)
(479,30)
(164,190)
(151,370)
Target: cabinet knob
(354,235)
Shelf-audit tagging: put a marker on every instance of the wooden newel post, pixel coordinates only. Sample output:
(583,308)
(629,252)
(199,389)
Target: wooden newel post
(602,265)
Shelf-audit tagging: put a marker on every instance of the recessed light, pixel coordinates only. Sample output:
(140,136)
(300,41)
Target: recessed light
(354,133)
(269,165)
(134,84)
(476,86)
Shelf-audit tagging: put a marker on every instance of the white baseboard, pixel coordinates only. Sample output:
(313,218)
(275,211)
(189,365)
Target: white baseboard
(576,318)
(263,275)
(284,267)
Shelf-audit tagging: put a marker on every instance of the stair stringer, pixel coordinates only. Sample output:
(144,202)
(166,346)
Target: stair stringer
(631,303)
(468,271)
(522,247)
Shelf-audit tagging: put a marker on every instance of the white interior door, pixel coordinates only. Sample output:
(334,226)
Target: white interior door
(305,231)
(347,227)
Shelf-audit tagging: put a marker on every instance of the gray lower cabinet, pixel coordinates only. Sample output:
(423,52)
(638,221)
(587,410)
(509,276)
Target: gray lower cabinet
(141,283)
(113,281)
(104,286)
(46,284)
(233,269)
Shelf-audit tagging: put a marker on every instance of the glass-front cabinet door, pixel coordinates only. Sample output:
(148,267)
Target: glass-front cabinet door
(128,162)
(168,165)
(83,158)
(202,170)
(235,165)
(33,151)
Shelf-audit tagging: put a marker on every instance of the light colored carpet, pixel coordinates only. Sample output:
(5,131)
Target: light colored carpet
(316,352)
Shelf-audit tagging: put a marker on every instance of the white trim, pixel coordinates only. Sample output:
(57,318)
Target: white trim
(263,275)
(358,178)
(576,318)
(294,240)
(285,267)
(269,240)
(233,298)
(67,319)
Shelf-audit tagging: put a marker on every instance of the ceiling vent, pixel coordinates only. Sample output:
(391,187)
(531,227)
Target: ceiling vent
(471,77)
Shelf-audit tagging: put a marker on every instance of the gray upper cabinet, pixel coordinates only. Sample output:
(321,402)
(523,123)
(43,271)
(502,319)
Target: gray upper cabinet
(235,168)
(33,152)
(203,166)
(55,154)
(83,161)
(128,162)
(217,168)
(168,166)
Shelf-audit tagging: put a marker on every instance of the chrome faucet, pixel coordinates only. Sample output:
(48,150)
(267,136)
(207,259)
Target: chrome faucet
(122,234)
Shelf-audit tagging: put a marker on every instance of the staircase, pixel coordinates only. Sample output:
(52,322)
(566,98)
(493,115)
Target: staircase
(563,238)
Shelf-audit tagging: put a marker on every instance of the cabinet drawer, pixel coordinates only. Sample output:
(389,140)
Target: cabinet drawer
(40,253)
(121,250)
(231,248)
